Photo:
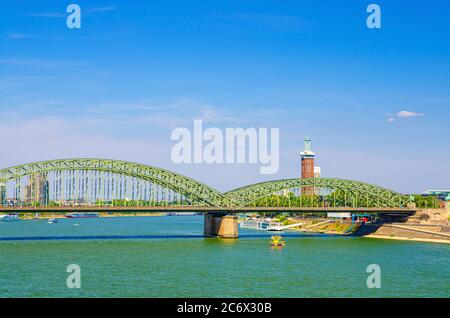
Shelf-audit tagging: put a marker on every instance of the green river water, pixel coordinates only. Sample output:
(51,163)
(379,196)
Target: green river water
(168,257)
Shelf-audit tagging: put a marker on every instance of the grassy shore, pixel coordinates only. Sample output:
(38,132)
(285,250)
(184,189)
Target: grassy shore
(318,226)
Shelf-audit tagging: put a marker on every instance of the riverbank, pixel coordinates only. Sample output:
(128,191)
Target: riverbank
(407,232)
(32,216)
(409,239)
(324,226)
(430,233)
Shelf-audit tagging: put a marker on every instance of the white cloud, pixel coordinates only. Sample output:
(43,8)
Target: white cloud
(33,62)
(390,120)
(405,114)
(389,170)
(87,11)
(181,112)
(16,36)
(43,138)
(281,22)
(47,138)
(52,138)
(101,9)
(46,15)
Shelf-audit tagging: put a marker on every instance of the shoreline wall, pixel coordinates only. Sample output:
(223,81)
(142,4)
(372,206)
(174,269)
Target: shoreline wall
(407,232)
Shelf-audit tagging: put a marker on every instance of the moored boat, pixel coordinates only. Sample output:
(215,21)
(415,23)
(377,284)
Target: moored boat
(181,213)
(275,228)
(9,217)
(78,215)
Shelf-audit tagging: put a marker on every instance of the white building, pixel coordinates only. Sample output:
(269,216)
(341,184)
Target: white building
(317,172)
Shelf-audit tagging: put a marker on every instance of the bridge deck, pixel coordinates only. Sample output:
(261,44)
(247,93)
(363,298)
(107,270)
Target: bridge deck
(200,209)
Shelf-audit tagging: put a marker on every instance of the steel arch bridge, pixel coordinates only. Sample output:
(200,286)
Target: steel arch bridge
(193,190)
(364,194)
(94,182)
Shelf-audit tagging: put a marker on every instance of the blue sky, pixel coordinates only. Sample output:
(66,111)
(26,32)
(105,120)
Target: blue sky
(117,87)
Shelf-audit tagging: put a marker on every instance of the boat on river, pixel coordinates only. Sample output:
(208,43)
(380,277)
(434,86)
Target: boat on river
(182,213)
(263,225)
(79,215)
(277,241)
(9,217)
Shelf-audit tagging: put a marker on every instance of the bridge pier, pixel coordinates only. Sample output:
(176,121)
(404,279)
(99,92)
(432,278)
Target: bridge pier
(220,225)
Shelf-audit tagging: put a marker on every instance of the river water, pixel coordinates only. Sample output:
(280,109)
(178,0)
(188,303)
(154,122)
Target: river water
(168,257)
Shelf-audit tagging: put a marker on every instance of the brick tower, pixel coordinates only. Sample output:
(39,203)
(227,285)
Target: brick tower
(307,165)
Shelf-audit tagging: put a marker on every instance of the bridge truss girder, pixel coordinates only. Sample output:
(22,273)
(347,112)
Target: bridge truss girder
(201,193)
(187,187)
(378,196)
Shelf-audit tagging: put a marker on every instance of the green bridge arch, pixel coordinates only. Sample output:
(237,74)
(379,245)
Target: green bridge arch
(375,195)
(188,187)
(199,192)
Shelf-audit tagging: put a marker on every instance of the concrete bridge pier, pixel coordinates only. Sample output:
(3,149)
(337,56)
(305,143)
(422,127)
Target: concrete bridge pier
(221,225)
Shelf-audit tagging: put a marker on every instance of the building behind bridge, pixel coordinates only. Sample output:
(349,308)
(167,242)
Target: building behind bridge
(308,168)
(37,190)
(2,194)
(443,195)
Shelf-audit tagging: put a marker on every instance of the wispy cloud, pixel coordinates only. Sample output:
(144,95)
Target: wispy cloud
(100,9)
(406,114)
(84,11)
(289,22)
(55,137)
(392,117)
(262,17)
(168,114)
(46,14)
(390,120)
(16,36)
(147,114)
(30,62)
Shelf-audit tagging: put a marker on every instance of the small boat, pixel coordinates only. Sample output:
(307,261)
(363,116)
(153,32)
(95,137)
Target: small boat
(52,220)
(275,228)
(181,213)
(78,215)
(277,241)
(9,217)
